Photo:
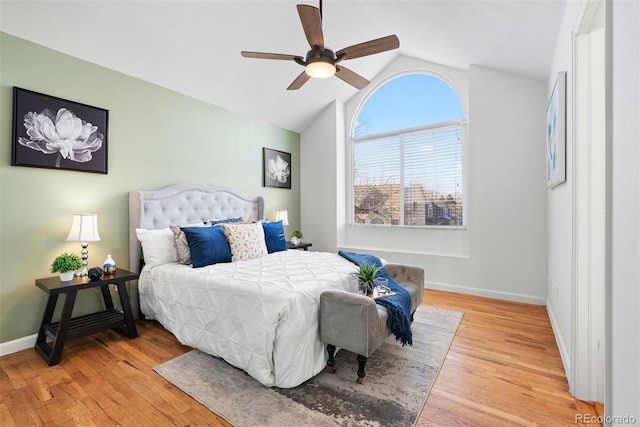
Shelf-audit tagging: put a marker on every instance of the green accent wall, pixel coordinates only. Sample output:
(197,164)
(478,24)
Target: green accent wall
(156,138)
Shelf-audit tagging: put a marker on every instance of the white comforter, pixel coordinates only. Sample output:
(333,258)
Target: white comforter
(259,315)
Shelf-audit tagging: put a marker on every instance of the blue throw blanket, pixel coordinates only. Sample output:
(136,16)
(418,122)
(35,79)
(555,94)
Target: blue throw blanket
(398,306)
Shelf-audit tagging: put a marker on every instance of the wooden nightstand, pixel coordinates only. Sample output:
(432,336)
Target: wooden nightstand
(303,246)
(69,328)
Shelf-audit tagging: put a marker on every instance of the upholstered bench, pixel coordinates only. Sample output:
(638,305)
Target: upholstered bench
(356,323)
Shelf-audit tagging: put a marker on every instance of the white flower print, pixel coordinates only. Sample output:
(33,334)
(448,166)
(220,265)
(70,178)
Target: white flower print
(63,133)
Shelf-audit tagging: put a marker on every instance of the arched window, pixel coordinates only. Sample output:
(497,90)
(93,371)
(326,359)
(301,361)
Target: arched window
(406,154)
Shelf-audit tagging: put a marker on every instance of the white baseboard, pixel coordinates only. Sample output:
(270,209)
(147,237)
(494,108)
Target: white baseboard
(564,353)
(20,344)
(508,296)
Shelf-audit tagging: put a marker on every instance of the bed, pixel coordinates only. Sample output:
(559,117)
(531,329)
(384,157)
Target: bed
(259,314)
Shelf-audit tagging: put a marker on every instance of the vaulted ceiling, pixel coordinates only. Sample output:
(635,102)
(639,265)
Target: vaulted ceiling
(193,47)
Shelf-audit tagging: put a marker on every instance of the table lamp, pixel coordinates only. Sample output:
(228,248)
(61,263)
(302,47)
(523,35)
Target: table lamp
(84,229)
(282,216)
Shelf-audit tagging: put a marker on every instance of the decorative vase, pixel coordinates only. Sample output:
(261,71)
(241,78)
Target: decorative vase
(363,289)
(369,288)
(66,276)
(295,241)
(109,266)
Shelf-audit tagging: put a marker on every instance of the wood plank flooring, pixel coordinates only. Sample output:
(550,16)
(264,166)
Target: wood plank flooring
(503,369)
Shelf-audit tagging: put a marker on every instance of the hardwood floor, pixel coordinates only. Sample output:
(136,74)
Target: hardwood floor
(503,369)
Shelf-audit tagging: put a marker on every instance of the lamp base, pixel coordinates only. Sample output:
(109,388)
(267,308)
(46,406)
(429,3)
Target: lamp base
(84,255)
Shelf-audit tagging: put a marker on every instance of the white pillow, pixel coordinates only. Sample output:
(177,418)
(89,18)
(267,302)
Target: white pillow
(245,240)
(157,246)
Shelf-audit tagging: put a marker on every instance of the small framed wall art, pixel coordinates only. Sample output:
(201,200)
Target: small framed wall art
(55,133)
(277,168)
(556,133)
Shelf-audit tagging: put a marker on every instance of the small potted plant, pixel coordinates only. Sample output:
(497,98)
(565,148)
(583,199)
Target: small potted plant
(66,264)
(366,276)
(296,237)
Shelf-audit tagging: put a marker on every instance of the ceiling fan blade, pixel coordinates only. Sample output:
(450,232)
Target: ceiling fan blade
(371,47)
(299,81)
(312,25)
(265,55)
(354,79)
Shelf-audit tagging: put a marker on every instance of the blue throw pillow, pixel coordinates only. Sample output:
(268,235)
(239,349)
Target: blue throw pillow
(274,236)
(207,245)
(222,221)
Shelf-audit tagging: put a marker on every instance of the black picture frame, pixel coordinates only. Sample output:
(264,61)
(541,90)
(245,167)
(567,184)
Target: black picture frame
(55,133)
(277,168)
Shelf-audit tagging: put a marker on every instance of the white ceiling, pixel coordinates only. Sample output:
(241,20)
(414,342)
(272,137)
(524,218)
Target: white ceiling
(193,47)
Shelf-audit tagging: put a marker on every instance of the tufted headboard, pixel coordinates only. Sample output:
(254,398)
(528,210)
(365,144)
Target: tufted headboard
(185,203)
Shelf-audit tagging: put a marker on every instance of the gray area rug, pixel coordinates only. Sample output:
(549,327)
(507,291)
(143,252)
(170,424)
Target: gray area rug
(397,383)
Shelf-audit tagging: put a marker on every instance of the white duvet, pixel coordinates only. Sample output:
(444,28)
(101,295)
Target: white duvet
(259,315)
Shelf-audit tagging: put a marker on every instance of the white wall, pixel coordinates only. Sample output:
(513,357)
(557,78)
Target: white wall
(502,251)
(508,185)
(623,383)
(318,183)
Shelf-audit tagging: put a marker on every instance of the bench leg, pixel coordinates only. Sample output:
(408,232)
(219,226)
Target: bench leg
(361,362)
(331,349)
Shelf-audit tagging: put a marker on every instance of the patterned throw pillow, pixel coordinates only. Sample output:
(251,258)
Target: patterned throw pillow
(246,241)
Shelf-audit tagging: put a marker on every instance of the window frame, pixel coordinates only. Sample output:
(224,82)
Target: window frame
(351,140)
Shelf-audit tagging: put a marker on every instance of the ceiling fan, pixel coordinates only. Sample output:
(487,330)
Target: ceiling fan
(320,61)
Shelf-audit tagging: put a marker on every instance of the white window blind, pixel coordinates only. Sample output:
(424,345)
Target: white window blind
(412,178)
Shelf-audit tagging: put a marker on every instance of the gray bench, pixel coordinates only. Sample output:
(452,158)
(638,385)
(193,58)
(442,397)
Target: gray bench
(355,322)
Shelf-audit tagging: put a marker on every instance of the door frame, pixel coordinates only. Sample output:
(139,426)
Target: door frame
(589,205)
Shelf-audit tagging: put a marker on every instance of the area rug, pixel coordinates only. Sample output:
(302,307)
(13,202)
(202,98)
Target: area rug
(397,383)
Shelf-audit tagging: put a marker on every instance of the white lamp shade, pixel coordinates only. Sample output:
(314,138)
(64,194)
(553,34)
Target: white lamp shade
(320,69)
(282,216)
(84,228)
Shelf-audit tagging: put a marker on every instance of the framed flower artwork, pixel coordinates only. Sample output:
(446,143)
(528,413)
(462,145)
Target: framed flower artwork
(55,133)
(277,168)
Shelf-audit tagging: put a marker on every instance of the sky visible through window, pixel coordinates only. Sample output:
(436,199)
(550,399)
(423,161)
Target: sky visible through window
(408,101)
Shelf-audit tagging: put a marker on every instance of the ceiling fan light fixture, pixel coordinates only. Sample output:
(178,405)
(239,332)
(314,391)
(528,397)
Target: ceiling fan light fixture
(320,69)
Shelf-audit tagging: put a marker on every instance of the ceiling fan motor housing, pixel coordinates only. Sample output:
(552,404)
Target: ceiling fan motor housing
(326,55)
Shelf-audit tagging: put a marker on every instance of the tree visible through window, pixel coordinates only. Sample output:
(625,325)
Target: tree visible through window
(406,150)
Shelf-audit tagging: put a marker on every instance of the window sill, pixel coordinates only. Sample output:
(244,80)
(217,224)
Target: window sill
(399,251)
(413,227)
